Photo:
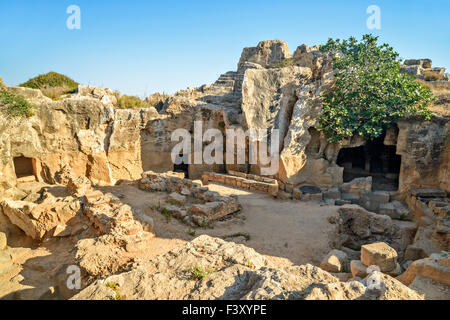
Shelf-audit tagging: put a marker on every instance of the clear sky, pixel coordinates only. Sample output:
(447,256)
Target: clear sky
(141,47)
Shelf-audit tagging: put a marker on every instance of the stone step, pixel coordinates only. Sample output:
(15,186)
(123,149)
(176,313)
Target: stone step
(429,193)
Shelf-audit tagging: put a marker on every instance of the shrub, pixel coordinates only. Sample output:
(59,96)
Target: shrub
(130,102)
(432,75)
(2,84)
(285,63)
(198,273)
(157,100)
(15,105)
(370,94)
(52,84)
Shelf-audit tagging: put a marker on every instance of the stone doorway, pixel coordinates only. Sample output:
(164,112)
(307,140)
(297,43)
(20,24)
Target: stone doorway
(24,167)
(373,159)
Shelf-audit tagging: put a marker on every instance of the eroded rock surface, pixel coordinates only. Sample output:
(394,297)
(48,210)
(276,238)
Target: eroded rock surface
(233,272)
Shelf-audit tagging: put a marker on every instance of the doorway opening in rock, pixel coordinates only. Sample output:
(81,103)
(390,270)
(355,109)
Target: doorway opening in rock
(182,167)
(373,159)
(24,167)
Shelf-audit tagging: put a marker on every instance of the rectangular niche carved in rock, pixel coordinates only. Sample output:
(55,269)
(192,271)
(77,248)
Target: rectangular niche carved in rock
(24,167)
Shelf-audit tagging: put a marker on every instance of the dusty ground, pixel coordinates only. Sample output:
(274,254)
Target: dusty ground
(287,232)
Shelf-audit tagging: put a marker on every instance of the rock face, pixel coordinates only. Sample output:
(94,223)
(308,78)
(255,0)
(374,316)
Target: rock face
(267,54)
(271,89)
(231,271)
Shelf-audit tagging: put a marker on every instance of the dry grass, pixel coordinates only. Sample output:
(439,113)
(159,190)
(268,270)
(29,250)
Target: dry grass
(441,91)
(432,76)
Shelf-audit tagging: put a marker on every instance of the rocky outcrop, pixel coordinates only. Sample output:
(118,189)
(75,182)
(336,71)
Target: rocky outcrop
(266,54)
(36,220)
(209,268)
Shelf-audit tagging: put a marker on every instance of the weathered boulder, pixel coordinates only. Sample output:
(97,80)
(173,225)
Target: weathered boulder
(335,261)
(358,269)
(267,54)
(379,254)
(37,219)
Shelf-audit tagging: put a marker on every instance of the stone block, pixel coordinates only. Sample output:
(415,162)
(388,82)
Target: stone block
(379,254)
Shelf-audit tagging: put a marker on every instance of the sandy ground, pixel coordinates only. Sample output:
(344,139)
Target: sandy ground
(288,232)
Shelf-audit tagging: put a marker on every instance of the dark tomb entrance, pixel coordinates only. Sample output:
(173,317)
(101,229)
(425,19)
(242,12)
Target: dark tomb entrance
(373,159)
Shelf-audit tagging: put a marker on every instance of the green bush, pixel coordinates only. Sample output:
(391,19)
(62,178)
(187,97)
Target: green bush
(52,84)
(15,105)
(130,102)
(370,94)
(285,63)
(2,84)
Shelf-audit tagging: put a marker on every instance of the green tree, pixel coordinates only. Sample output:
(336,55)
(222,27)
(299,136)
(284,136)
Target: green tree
(370,94)
(14,105)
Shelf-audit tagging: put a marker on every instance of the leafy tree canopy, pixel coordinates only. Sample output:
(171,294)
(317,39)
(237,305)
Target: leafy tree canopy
(370,94)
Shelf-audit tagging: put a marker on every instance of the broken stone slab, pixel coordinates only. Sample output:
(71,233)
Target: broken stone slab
(351,197)
(310,189)
(431,289)
(335,261)
(435,267)
(177,198)
(379,254)
(358,269)
(378,196)
(332,193)
(357,186)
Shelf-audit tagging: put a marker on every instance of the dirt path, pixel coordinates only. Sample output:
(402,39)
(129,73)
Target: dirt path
(289,232)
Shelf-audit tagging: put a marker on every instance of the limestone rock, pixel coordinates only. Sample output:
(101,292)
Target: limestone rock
(177,198)
(37,219)
(358,269)
(234,272)
(335,261)
(358,186)
(379,254)
(267,54)
(436,267)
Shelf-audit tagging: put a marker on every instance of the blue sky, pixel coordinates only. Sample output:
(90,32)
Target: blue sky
(141,47)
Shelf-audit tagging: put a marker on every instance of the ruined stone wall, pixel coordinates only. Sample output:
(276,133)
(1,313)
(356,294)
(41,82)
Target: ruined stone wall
(242,180)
